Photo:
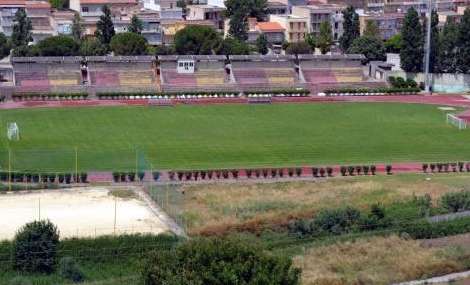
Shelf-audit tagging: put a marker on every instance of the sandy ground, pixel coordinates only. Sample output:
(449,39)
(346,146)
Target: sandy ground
(78,212)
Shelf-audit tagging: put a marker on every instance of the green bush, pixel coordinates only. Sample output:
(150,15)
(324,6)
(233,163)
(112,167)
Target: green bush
(70,270)
(456,201)
(423,229)
(35,247)
(218,261)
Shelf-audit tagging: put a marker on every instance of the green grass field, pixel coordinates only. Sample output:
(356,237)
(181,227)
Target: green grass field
(190,137)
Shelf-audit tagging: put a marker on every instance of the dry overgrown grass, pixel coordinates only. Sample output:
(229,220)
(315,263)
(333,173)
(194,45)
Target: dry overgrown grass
(218,208)
(377,260)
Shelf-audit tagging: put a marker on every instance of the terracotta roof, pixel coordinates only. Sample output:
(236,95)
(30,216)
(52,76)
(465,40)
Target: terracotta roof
(269,27)
(108,2)
(12,2)
(38,4)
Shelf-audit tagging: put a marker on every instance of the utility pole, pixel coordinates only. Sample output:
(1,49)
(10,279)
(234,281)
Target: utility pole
(427,48)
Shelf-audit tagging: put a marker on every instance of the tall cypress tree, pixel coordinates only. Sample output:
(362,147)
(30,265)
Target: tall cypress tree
(77,28)
(447,57)
(433,65)
(463,43)
(325,39)
(350,28)
(105,27)
(136,25)
(21,34)
(411,53)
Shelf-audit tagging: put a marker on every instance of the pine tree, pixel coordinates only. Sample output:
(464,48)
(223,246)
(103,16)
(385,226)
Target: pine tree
(350,27)
(21,34)
(463,43)
(411,52)
(325,39)
(105,27)
(77,28)
(136,25)
(447,54)
(239,10)
(238,27)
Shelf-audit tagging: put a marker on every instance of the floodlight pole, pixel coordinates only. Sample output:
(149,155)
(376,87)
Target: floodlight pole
(9,169)
(427,47)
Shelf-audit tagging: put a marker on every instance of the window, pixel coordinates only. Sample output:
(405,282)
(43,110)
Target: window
(85,9)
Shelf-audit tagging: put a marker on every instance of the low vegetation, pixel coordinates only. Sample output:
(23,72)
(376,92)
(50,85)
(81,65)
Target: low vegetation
(377,260)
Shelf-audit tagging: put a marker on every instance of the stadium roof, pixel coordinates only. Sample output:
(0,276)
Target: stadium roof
(331,56)
(141,58)
(46,59)
(192,57)
(276,57)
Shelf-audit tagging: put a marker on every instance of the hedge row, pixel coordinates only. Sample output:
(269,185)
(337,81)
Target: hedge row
(361,170)
(203,174)
(424,230)
(372,91)
(446,167)
(26,177)
(164,95)
(128,176)
(279,172)
(280,92)
(49,96)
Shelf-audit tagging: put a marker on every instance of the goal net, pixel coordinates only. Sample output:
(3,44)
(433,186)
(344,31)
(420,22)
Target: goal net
(456,121)
(13,132)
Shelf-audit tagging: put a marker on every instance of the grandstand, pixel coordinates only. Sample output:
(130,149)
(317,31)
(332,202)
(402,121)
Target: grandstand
(258,71)
(47,74)
(332,71)
(121,73)
(194,72)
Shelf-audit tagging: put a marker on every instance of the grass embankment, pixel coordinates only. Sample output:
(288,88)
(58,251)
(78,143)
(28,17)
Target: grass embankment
(228,136)
(216,208)
(379,260)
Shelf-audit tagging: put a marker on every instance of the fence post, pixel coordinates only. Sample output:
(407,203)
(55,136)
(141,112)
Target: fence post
(9,169)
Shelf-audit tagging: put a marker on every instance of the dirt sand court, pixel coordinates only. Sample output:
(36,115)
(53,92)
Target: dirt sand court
(78,212)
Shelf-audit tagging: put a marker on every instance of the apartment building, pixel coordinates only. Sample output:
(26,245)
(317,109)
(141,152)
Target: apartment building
(273,31)
(295,27)
(207,12)
(388,24)
(317,14)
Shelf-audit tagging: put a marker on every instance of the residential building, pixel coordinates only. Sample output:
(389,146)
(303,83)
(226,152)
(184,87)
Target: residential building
(273,31)
(211,13)
(388,24)
(159,5)
(62,21)
(295,27)
(317,14)
(8,9)
(277,8)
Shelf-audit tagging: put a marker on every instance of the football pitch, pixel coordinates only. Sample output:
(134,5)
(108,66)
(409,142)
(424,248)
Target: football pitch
(228,136)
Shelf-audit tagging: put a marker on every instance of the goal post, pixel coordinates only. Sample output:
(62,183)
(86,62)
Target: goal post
(452,119)
(13,131)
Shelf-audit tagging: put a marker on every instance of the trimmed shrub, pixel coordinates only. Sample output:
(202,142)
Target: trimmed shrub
(180,175)
(425,167)
(235,173)
(70,270)
(257,173)
(456,201)
(329,171)
(225,174)
(273,173)
(131,176)
(388,169)
(35,247)
(314,172)
(351,170)
(196,175)
(156,176)
(298,171)
(265,173)
(432,166)
(248,172)
(290,172)
(188,175)
(365,169)
(343,170)
(373,169)
(461,165)
(358,170)
(141,175)
(322,172)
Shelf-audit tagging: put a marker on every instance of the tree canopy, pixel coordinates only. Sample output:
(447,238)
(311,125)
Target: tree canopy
(4,46)
(233,46)
(411,52)
(447,54)
(371,47)
(35,247)
(218,262)
(238,12)
(105,27)
(77,28)
(92,47)
(371,30)
(22,27)
(298,48)
(59,4)
(350,28)
(128,44)
(393,44)
(58,46)
(325,39)
(136,25)
(463,43)
(197,39)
